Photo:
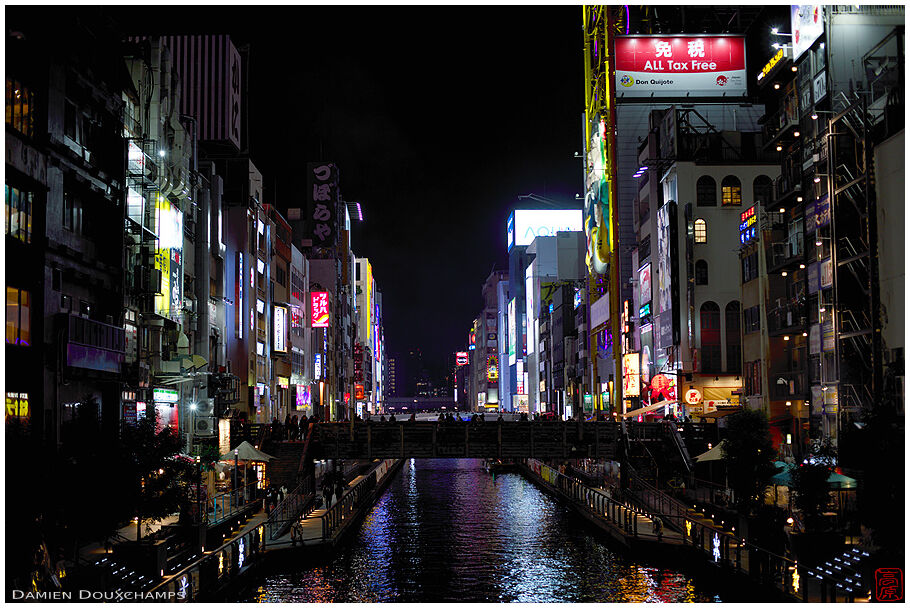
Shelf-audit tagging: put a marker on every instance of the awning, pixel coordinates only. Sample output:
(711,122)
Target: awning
(192,361)
(718,413)
(650,408)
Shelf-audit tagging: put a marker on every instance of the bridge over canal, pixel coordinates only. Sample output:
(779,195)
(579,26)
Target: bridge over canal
(516,440)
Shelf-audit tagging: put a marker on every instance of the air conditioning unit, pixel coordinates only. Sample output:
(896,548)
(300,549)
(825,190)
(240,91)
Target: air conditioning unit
(205,408)
(204,427)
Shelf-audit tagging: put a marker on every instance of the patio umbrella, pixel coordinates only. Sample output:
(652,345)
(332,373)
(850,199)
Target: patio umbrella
(835,480)
(715,453)
(247,453)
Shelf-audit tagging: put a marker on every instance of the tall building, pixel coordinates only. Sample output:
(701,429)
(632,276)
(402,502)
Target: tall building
(833,86)
(65,179)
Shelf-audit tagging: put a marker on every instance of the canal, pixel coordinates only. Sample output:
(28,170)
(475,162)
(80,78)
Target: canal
(447,531)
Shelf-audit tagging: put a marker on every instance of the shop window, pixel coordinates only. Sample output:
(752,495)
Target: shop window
(701,272)
(701,231)
(17,316)
(731,192)
(733,338)
(19,213)
(706,191)
(20,107)
(710,338)
(762,190)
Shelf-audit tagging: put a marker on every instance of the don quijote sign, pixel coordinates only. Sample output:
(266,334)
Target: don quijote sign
(680,66)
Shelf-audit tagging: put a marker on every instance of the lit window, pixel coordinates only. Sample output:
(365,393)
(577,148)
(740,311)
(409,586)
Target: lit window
(17,316)
(260,306)
(19,214)
(731,192)
(260,266)
(260,348)
(20,107)
(701,231)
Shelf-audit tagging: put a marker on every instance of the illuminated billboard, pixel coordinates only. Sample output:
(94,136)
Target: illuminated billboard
(280,342)
(644,283)
(319,316)
(527,224)
(670,66)
(461,358)
(512,331)
(492,368)
(169,259)
(806,25)
(630,375)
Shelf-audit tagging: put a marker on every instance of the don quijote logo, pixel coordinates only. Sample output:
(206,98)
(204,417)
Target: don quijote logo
(626,81)
(721,80)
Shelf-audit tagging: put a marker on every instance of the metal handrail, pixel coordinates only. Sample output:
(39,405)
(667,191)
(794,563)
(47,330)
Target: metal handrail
(290,509)
(226,504)
(335,516)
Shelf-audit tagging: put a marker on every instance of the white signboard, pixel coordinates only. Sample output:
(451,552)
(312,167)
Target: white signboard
(280,342)
(806,24)
(527,224)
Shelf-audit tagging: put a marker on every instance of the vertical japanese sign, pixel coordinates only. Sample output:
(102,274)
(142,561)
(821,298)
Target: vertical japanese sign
(280,341)
(667,275)
(512,330)
(319,301)
(322,199)
(238,295)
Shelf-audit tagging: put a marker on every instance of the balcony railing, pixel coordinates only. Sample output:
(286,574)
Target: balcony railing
(94,345)
(789,315)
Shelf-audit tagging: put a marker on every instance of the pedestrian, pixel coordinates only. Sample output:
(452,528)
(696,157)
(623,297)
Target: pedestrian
(295,427)
(382,418)
(339,490)
(499,419)
(481,417)
(392,417)
(326,492)
(658,527)
(413,417)
(304,422)
(287,426)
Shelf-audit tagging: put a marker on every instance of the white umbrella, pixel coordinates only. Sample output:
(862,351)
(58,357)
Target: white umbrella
(715,453)
(248,453)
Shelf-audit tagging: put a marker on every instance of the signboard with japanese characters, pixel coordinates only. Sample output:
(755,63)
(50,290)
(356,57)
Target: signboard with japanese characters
(319,302)
(461,358)
(674,66)
(322,199)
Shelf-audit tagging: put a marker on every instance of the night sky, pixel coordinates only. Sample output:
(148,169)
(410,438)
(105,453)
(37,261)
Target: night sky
(438,118)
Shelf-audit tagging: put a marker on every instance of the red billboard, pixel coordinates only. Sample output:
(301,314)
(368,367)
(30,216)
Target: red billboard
(674,66)
(461,358)
(319,301)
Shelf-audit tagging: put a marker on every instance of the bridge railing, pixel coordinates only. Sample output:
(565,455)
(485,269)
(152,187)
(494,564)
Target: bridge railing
(222,506)
(337,514)
(598,501)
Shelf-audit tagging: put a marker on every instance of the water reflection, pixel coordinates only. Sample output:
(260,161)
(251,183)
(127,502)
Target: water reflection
(446,531)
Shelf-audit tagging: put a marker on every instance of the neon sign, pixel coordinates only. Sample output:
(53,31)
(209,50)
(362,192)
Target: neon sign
(320,309)
(748,223)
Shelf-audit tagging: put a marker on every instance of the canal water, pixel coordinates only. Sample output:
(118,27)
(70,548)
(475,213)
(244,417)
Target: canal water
(447,531)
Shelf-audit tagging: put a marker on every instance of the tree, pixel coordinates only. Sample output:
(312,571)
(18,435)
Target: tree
(748,454)
(156,472)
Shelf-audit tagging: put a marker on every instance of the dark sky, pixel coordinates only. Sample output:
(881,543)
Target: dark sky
(438,117)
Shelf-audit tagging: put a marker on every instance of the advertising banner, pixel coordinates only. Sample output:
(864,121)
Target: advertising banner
(319,305)
(630,376)
(527,224)
(806,25)
(644,283)
(461,358)
(322,199)
(680,66)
